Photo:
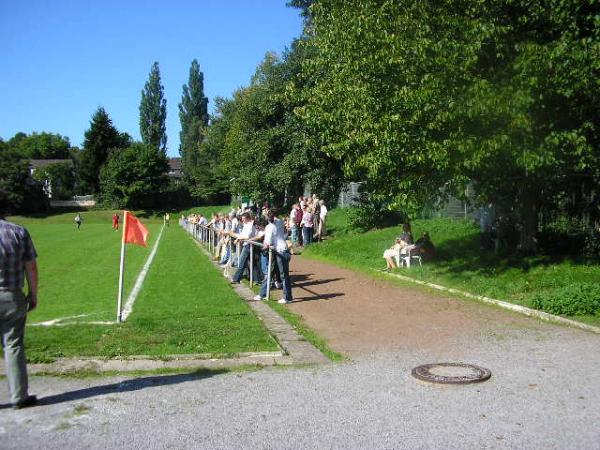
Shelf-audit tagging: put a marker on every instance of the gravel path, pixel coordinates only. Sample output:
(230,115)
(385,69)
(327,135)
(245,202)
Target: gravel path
(544,393)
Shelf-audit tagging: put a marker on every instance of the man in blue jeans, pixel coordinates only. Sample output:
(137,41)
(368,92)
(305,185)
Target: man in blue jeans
(248,233)
(275,241)
(17,260)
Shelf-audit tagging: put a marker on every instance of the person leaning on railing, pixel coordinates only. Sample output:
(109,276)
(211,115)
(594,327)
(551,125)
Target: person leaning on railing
(275,240)
(248,233)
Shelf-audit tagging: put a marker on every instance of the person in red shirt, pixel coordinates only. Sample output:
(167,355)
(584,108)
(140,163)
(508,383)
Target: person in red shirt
(115,219)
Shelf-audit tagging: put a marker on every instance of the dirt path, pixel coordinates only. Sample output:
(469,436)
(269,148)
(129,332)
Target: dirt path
(358,315)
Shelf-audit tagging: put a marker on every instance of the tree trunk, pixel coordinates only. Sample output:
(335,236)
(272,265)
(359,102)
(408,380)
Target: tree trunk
(529,220)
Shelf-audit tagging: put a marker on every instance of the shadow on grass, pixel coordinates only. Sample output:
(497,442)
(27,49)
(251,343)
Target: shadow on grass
(134,384)
(462,255)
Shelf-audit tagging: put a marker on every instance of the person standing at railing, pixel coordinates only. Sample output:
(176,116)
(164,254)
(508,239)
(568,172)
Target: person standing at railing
(294,224)
(307,226)
(275,241)
(323,218)
(248,232)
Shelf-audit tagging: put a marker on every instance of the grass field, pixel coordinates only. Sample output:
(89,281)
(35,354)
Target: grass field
(459,263)
(185,305)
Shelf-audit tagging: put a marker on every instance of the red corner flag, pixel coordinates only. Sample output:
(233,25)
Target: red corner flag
(133,230)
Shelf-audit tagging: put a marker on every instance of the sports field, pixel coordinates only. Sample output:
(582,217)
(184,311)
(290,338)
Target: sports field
(184,306)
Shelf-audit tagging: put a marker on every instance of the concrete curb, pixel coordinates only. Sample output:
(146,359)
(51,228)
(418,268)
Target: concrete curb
(516,308)
(67,365)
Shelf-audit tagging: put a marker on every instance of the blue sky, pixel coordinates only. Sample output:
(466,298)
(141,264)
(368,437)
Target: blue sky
(61,59)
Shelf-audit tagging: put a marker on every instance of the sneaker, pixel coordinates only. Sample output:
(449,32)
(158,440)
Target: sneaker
(30,400)
(283,301)
(277,285)
(257,298)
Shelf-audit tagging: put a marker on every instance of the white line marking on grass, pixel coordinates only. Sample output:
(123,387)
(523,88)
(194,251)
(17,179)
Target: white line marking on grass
(140,280)
(49,323)
(57,323)
(66,321)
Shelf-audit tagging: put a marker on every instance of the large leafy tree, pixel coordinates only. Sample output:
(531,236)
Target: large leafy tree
(420,98)
(384,76)
(208,181)
(100,139)
(533,106)
(268,152)
(132,177)
(40,145)
(193,115)
(153,111)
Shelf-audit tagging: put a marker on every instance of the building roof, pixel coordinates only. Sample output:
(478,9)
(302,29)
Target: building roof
(174,168)
(41,163)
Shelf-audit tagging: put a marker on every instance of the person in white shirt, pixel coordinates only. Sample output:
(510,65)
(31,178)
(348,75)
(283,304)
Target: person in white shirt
(322,216)
(248,233)
(226,237)
(275,240)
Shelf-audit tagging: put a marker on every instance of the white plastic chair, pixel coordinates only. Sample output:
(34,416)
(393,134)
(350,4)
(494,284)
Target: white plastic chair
(404,259)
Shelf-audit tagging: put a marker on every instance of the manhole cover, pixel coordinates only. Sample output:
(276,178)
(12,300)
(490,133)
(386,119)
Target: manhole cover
(451,373)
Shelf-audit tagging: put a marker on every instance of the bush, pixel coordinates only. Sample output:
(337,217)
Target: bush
(591,247)
(578,300)
(570,236)
(373,212)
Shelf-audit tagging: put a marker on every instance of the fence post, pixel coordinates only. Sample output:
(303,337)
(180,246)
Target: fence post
(251,263)
(269,275)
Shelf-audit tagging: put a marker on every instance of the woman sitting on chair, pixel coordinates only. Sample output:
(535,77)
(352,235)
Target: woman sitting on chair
(392,253)
(401,246)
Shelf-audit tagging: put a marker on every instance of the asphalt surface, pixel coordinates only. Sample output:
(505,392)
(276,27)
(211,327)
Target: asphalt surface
(544,394)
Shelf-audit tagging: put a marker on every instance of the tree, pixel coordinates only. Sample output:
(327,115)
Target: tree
(418,99)
(61,177)
(100,139)
(153,112)
(23,193)
(267,150)
(40,146)
(193,115)
(533,105)
(207,181)
(132,177)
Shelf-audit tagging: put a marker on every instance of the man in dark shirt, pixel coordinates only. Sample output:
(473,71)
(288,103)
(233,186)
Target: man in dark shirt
(17,260)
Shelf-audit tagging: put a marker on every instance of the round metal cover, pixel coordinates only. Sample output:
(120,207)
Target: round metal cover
(451,373)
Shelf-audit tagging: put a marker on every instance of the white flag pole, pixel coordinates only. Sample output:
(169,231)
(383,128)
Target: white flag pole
(121,269)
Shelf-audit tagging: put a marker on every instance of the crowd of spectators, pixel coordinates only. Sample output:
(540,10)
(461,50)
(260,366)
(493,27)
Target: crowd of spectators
(266,229)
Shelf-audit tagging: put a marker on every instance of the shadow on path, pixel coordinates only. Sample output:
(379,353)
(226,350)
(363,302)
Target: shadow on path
(315,282)
(134,384)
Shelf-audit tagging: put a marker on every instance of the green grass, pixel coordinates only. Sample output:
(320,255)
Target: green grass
(298,323)
(185,305)
(460,263)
